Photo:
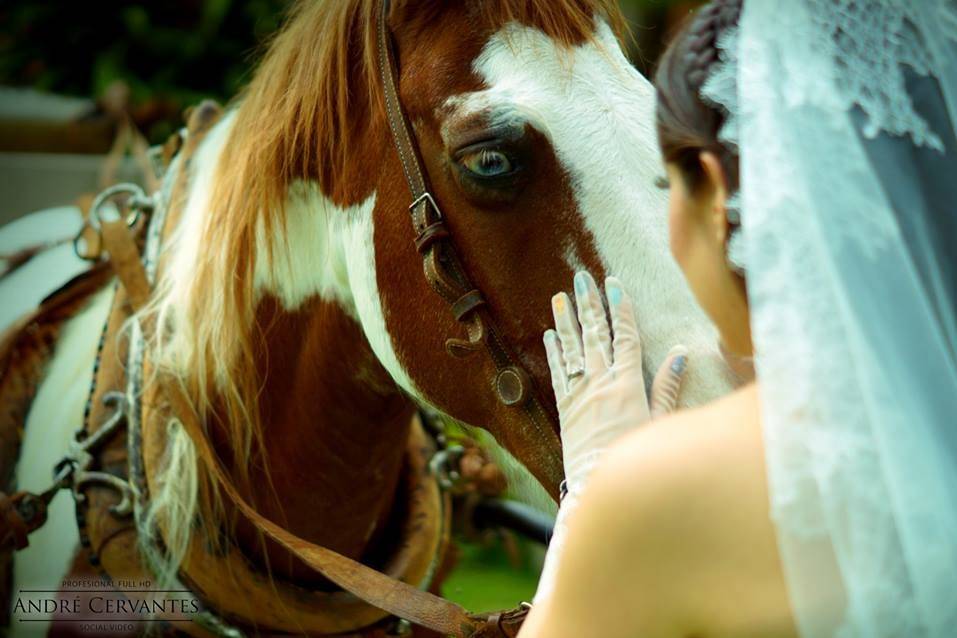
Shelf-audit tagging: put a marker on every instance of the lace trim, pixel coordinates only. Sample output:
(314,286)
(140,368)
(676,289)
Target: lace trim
(870,43)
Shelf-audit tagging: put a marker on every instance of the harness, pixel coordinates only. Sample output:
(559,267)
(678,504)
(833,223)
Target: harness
(109,475)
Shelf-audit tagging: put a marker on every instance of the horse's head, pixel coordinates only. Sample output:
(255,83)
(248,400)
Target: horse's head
(538,139)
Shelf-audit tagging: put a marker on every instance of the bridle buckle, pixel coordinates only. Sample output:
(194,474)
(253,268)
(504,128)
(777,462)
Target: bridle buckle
(427,197)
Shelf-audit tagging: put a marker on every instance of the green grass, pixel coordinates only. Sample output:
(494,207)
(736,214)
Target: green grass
(487,578)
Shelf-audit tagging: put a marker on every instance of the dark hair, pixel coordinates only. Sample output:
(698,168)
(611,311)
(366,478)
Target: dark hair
(686,123)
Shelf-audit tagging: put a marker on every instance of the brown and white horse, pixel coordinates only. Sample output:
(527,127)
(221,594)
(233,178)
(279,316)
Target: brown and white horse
(291,293)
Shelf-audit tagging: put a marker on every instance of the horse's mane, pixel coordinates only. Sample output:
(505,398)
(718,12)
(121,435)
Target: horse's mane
(315,92)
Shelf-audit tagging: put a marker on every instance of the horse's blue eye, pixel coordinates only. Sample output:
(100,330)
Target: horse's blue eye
(487,163)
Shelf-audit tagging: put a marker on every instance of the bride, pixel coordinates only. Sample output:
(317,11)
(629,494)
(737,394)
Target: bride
(812,165)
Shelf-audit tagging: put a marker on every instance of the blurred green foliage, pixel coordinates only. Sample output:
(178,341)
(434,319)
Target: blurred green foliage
(194,47)
(494,574)
(172,53)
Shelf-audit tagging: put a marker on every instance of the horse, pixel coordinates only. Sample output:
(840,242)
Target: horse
(290,294)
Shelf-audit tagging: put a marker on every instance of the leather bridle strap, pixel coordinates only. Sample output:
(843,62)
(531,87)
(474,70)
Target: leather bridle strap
(446,275)
(377,589)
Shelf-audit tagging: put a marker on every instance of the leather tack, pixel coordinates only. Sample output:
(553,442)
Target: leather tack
(460,348)
(467,303)
(431,234)
(172,146)
(511,386)
(15,527)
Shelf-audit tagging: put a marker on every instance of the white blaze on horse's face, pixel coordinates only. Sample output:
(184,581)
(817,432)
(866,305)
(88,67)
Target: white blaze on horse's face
(597,112)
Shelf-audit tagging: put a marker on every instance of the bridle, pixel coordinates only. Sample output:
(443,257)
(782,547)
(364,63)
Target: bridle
(512,384)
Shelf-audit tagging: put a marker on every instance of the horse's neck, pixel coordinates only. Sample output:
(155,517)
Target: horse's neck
(335,428)
(334,424)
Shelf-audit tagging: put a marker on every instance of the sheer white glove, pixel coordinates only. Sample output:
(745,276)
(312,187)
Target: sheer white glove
(598,380)
(600,389)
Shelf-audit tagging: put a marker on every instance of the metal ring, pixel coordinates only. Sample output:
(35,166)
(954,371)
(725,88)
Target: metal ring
(444,466)
(574,374)
(76,246)
(138,201)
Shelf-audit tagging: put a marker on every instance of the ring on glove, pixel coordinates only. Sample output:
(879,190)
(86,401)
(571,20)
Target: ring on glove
(574,374)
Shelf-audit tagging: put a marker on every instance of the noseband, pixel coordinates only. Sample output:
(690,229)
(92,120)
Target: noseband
(445,274)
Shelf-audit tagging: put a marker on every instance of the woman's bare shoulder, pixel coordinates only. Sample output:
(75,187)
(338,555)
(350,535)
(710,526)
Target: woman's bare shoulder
(687,449)
(688,493)
(730,412)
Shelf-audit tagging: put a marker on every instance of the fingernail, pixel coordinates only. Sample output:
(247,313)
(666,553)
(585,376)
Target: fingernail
(581,283)
(613,291)
(679,364)
(558,303)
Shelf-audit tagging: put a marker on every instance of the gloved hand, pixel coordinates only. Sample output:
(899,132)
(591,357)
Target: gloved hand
(598,380)
(600,389)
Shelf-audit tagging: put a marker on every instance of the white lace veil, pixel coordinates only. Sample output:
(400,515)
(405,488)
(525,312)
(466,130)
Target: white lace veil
(843,112)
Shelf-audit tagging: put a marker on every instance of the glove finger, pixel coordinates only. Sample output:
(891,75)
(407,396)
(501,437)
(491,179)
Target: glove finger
(556,364)
(569,334)
(596,336)
(626,346)
(667,383)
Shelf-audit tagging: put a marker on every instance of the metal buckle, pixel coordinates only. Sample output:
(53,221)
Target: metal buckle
(426,196)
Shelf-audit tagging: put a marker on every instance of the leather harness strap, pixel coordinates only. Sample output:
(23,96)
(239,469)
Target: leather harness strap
(125,260)
(16,527)
(445,273)
(377,589)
